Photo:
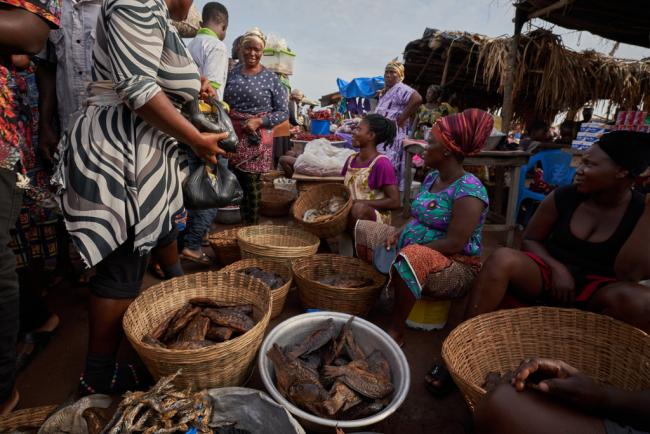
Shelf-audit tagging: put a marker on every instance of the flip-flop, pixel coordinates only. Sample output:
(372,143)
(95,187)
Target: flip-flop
(39,341)
(203,259)
(439,373)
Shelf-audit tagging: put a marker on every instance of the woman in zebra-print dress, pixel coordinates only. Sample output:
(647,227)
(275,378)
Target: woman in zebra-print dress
(119,174)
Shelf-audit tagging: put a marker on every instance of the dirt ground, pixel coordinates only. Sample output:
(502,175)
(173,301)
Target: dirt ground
(53,376)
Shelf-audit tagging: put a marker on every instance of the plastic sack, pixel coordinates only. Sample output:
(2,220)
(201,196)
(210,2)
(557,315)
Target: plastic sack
(212,187)
(250,410)
(321,158)
(214,121)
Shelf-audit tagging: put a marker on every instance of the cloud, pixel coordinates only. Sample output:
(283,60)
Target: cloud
(347,39)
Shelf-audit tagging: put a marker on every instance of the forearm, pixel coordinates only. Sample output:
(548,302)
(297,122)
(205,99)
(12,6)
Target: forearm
(629,408)
(160,113)
(631,264)
(411,108)
(21,32)
(46,80)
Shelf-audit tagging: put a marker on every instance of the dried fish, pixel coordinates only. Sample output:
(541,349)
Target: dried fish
(246,309)
(271,279)
(310,396)
(323,334)
(357,376)
(150,340)
(195,330)
(180,320)
(232,319)
(362,410)
(343,281)
(340,396)
(218,334)
(378,365)
(70,418)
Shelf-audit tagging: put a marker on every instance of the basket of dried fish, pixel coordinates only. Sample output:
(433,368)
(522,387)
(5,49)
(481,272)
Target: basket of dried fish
(210,325)
(277,276)
(331,369)
(224,245)
(277,243)
(275,202)
(323,209)
(337,283)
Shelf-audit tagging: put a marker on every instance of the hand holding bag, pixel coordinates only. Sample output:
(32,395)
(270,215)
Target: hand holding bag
(216,121)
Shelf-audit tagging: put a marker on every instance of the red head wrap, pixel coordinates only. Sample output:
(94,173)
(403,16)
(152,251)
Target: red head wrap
(464,133)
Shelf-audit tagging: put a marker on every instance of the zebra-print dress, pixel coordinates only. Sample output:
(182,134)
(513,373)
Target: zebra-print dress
(117,172)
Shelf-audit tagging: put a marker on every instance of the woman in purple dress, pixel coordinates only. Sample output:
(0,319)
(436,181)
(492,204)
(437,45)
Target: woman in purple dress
(398,102)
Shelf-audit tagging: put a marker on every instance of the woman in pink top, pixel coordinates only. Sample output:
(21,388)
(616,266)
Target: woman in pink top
(369,175)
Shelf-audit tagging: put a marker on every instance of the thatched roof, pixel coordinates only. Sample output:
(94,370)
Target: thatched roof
(550,78)
(623,21)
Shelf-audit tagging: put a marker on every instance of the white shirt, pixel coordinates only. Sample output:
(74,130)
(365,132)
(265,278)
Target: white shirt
(73,45)
(211,56)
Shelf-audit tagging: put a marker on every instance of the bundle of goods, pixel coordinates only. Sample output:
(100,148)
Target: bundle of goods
(200,323)
(210,325)
(633,121)
(306,137)
(329,375)
(275,275)
(323,209)
(337,283)
(278,57)
(276,243)
(589,134)
(321,115)
(481,351)
(349,125)
(287,184)
(224,245)
(322,159)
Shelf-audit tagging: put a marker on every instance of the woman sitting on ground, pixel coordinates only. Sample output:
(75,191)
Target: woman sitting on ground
(562,399)
(586,245)
(369,175)
(439,249)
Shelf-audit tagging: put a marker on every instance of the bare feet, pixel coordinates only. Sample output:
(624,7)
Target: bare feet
(10,404)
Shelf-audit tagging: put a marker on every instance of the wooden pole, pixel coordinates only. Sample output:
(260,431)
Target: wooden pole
(445,71)
(548,9)
(507,111)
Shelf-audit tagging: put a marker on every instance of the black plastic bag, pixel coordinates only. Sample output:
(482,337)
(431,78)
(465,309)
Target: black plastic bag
(212,186)
(216,122)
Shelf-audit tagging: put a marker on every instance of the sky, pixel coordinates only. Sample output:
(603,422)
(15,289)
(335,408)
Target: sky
(356,38)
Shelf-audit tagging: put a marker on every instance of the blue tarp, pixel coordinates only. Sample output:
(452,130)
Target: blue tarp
(360,87)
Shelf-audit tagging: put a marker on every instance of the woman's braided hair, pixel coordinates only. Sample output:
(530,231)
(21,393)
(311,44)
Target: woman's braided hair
(383,128)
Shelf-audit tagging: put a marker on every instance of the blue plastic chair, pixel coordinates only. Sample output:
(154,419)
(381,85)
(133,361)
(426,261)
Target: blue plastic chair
(557,171)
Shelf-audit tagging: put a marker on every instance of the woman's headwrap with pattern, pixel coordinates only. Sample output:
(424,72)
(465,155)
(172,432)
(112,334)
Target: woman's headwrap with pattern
(464,133)
(395,65)
(253,34)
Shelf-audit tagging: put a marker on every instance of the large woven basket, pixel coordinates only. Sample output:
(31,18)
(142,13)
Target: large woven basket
(603,348)
(224,245)
(355,301)
(277,243)
(225,364)
(278,295)
(26,418)
(275,202)
(313,198)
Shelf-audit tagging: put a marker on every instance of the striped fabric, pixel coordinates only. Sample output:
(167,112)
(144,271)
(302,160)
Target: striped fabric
(116,171)
(464,133)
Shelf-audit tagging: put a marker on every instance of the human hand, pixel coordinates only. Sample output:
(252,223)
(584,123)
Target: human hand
(207,147)
(207,90)
(392,239)
(253,124)
(48,140)
(562,284)
(561,380)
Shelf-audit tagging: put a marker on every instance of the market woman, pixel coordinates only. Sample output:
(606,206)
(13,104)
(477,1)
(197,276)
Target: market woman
(119,175)
(24,28)
(258,102)
(428,112)
(439,248)
(370,175)
(397,102)
(586,245)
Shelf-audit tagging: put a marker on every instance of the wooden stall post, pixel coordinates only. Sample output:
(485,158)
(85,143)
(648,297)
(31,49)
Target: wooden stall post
(508,100)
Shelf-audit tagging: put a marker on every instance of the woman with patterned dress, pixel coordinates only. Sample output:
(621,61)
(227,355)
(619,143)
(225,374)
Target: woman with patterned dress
(439,248)
(119,174)
(428,113)
(398,102)
(24,28)
(258,102)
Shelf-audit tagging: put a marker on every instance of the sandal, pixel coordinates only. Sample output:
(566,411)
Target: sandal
(38,341)
(203,259)
(438,381)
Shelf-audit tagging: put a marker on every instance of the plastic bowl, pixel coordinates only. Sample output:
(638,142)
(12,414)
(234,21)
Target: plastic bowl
(369,337)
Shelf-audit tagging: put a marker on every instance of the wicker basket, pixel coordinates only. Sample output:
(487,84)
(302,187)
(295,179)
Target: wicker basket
(355,301)
(603,348)
(313,198)
(225,364)
(275,203)
(277,243)
(224,245)
(278,295)
(27,418)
